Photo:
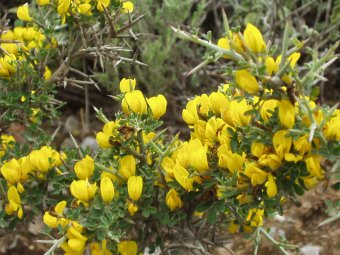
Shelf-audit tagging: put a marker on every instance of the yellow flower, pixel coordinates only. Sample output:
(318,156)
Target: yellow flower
(84,168)
(127,248)
(50,221)
(213,128)
(223,43)
(103,138)
(97,250)
(256,175)
(102,4)
(302,145)
(12,172)
(257,149)
(198,156)
(253,38)
(157,105)
(331,129)
(14,202)
(314,167)
(234,114)
(62,9)
(6,141)
(267,109)
(107,190)
(135,187)
(286,113)
(236,43)
(127,85)
(270,160)
(134,101)
(85,9)
(218,101)
(223,153)
(235,162)
(311,181)
(173,200)
(132,208)
(43,2)
(290,157)
(199,106)
(182,177)
(127,166)
(255,217)
(271,186)
(271,65)
(76,241)
(54,221)
(282,143)
(44,159)
(23,13)
(7,65)
(246,81)
(127,7)
(83,190)
(189,114)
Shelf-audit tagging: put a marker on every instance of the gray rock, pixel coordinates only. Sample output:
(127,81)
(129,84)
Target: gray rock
(310,249)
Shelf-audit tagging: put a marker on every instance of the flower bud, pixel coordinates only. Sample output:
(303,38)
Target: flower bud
(127,248)
(134,102)
(84,168)
(173,200)
(102,4)
(246,81)
(254,39)
(287,113)
(83,190)
(135,187)
(127,166)
(106,189)
(282,143)
(132,208)
(182,177)
(43,2)
(271,186)
(85,9)
(127,7)
(23,14)
(157,105)
(127,85)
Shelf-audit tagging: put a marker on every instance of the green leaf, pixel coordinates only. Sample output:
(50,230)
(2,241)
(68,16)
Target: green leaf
(202,207)
(336,186)
(212,216)
(298,189)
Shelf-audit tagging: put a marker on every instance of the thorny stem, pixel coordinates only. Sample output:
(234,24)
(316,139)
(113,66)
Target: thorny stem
(186,36)
(76,145)
(318,64)
(279,245)
(111,171)
(55,246)
(285,45)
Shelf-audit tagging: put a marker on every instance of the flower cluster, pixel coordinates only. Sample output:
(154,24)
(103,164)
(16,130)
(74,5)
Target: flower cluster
(18,172)
(20,45)
(67,8)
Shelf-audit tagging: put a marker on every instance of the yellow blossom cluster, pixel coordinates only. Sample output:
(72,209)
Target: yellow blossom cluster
(66,8)
(17,172)
(18,45)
